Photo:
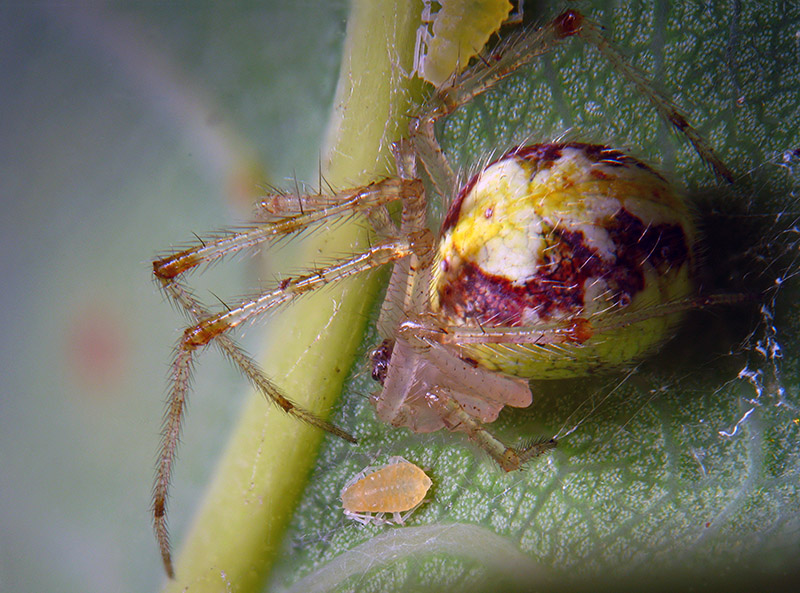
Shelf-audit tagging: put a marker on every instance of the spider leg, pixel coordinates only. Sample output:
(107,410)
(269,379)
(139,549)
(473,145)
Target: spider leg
(516,17)
(409,285)
(280,215)
(289,289)
(283,215)
(423,37)
(592,33)
(251,369)
(517,52)
(455,417)
(213,328)
(578,330)
(180,376)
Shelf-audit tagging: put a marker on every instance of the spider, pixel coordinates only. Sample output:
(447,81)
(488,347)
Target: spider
(554,260)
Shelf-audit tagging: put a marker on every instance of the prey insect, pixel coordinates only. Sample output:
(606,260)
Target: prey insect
(452,35)
(554,260)
(395,489)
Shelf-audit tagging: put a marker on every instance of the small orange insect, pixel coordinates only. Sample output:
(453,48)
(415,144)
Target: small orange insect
(398,487)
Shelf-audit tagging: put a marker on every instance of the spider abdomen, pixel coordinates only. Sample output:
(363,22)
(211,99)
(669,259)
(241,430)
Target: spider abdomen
(565,235)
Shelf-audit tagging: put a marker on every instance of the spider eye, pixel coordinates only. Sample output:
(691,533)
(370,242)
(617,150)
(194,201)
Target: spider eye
(380,358)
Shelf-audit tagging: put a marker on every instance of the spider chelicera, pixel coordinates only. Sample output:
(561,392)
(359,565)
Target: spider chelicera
(554,260)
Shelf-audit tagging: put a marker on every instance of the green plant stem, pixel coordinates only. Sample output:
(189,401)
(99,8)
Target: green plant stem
(311,346)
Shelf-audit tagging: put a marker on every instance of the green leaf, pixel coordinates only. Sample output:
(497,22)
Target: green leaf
(683,470)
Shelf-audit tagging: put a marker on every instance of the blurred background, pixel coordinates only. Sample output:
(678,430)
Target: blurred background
(125,129)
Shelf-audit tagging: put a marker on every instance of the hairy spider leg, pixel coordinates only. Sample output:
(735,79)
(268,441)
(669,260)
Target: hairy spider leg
(518,51)
(284,214)
(408,291)
(369,200)
(180,375)
(557,332)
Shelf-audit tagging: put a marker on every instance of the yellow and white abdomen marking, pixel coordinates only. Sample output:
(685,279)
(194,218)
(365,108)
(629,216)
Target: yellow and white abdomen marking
(397,487)
(569,235)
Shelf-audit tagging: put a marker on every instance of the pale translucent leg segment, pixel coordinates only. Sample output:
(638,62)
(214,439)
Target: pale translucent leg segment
(427,11)
(409,285)
(495,389)
(361,518)
(399,518)
(517,52)
(278,206)
(517,16)
(413,201)
(377,519)
(430,153)
(414,224)
(423,36)
(509,458)
(380,518)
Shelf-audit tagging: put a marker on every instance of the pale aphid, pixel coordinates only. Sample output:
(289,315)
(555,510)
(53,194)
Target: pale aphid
(395,489)
(451,36)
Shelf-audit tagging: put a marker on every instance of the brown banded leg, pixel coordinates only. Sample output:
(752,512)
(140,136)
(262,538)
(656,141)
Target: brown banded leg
(518,51)
(304,211)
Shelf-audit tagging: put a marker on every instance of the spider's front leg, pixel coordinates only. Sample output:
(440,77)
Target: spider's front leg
(278,215)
